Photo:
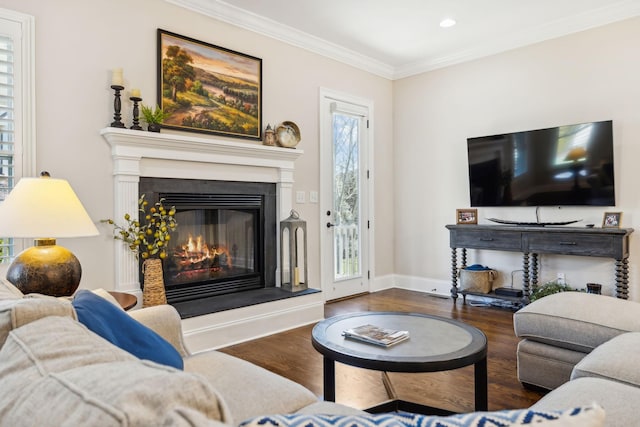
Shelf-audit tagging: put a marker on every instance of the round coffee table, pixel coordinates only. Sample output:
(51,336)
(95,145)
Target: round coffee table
(435,344)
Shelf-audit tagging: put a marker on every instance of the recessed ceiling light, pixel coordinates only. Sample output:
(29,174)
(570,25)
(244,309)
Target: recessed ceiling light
(447,22)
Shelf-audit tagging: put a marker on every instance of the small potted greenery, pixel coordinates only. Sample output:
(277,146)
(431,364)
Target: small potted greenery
(550,288)
(153,117)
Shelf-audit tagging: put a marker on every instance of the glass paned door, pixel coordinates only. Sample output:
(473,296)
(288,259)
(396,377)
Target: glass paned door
(346,197)
(345,235)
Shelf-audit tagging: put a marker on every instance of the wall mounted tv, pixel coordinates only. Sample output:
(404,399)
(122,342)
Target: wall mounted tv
(562,166)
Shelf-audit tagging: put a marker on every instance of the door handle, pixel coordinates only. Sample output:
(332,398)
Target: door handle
(329,225)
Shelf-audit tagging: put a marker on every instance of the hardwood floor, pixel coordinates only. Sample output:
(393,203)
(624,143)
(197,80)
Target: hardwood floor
(291,354)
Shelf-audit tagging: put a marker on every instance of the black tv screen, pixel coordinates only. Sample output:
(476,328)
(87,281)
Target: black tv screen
(562,166)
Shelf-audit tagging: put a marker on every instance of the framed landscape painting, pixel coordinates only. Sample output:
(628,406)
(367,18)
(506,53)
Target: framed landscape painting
(207,88)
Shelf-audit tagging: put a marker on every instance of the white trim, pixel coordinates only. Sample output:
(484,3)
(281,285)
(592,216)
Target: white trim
(559,28)
(137,154)
(231,327)
(163,155)
(359,105)
(28,82)
(258,24)
(234,15)
(26,103)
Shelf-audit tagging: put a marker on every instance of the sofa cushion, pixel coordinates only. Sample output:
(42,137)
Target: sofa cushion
(81,379)
(576,320)
(611,360)
(20,311)
(617,399)
(591,416)
(544,365)
(8,291)
(120,329)
(248,389)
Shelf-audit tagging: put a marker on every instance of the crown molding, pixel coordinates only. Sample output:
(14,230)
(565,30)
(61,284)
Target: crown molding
(225,12)
(259,24)
(562,27)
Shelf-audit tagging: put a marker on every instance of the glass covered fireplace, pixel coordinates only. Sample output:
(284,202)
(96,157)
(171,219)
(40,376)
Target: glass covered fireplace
(225,241)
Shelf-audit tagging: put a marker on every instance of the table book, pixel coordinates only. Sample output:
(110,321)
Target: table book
(376,335)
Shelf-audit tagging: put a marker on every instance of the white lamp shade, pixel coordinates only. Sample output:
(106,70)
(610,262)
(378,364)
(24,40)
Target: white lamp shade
(44,208)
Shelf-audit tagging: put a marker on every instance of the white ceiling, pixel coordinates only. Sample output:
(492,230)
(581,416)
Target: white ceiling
(399,38)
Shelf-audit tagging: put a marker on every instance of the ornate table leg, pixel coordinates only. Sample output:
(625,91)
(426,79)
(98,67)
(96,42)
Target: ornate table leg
(622,278)
(454,274)
(464,258)
(534,272)
(525,277)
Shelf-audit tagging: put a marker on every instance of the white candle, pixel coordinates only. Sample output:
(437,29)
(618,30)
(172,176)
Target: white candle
(135,93)
(116,77)
(296,276)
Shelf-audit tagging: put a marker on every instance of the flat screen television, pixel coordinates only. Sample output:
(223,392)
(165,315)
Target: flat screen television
(562,166)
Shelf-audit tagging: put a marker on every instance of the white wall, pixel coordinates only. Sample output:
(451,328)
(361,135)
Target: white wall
(587,76)
(78,42)
(421,125)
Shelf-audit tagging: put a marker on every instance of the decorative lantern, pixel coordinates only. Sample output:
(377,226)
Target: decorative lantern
(293,253)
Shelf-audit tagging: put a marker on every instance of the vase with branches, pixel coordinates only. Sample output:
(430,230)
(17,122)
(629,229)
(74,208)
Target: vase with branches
(148,236)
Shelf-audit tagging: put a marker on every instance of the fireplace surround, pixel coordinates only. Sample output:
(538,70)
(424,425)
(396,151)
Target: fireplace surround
(225,241)
(137,154)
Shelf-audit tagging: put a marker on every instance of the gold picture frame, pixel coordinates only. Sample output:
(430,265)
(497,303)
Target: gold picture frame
(466,216)
(611,219)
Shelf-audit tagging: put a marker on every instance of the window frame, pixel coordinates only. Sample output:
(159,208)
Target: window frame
(25,104)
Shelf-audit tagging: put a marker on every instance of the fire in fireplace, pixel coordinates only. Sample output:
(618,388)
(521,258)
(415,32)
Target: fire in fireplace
(225,241)
(211,244)
(197,260)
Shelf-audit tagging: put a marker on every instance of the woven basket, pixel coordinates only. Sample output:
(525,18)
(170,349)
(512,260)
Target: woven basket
(477,281)
(153,286)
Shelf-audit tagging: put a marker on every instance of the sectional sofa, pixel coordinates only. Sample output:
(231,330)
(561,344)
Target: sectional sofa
(584,347)
(85,361)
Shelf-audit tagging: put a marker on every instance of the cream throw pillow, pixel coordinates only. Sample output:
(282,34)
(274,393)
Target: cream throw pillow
(55,372)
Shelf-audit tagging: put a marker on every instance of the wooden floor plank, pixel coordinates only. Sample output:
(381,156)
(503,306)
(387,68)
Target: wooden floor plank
(291,354)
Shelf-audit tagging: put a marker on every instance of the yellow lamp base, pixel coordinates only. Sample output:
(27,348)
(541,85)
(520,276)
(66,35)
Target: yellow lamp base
(46,268)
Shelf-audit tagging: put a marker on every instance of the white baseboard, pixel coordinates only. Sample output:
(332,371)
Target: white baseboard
(383,282)
(431,286)
(230,327)
(225,328)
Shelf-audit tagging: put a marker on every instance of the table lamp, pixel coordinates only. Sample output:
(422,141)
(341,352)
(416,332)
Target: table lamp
(45,209)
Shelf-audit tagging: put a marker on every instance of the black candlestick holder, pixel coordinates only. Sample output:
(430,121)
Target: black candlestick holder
(117,107)
(136,113)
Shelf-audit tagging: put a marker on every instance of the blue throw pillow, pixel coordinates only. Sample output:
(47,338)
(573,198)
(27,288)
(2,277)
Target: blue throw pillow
(113,324)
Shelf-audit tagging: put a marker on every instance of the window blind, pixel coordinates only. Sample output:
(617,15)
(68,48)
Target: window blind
(7,130)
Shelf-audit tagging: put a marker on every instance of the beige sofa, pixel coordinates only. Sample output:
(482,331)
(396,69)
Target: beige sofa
(584,347)
(55,372)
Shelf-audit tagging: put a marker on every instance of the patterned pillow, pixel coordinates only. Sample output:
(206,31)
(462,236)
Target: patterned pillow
(590,416)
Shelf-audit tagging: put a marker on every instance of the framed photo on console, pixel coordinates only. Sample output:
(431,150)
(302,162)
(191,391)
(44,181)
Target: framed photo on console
(611,219)
(466,216)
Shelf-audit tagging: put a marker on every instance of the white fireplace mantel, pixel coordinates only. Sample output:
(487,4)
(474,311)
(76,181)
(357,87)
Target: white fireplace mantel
(138,154)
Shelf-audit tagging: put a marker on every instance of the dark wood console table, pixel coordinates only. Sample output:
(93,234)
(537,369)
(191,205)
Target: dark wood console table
(531,241)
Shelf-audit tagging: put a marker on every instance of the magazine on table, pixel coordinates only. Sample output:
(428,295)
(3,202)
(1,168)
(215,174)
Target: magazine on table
(376,335)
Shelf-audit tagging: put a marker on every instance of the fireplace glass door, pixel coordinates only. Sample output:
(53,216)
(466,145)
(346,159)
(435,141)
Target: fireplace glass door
(225,241)
(212,245)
